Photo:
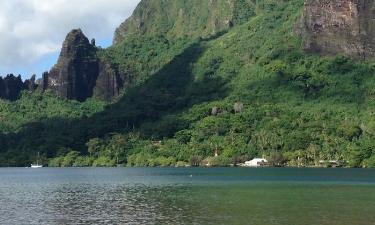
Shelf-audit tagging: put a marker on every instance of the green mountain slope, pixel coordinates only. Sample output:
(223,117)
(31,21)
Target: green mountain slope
(184,19)
(186,92)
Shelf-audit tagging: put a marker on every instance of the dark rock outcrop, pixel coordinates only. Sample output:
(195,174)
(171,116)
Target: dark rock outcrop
(108,83)
(79,71)
(11,86)
(75,73)
(31,84)
(339,27)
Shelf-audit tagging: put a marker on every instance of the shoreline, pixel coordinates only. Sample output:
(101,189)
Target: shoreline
(186,167)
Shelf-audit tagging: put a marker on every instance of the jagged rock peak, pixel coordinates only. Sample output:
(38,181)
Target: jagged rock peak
(339,27)
(76,42)
(75,75)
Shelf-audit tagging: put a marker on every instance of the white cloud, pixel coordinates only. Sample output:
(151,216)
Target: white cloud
(32,29)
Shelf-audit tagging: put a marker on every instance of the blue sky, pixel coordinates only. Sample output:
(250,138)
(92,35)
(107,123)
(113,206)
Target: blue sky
(32,31)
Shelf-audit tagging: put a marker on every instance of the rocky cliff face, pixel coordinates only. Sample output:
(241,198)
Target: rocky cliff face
(11,86)
(178,19)
(108,83)
(339,27)
(74,75)
(79,71)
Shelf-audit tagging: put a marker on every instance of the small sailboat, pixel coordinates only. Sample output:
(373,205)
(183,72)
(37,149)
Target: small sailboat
(35,166)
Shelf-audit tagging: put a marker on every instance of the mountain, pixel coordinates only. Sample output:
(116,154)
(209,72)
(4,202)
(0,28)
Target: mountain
(288,80)
(80,73)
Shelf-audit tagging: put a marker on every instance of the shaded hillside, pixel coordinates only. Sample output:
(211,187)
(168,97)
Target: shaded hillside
(159,30)
(250,91)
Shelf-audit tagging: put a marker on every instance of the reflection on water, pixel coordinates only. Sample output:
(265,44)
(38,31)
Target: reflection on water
(173,196)
(114,205)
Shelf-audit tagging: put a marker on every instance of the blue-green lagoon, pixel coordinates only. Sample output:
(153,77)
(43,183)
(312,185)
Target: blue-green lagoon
(282,196)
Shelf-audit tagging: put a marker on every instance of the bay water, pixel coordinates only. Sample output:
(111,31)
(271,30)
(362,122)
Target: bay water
(282,196)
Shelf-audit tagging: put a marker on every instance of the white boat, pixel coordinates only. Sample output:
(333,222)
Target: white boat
(37,164)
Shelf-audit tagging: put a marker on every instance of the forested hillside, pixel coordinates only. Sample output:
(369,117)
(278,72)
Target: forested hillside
(235,81)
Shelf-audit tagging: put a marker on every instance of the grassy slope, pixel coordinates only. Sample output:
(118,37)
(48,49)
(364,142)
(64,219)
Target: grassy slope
(305,106)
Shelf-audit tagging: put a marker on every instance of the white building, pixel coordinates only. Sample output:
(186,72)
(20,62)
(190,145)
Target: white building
(257,162)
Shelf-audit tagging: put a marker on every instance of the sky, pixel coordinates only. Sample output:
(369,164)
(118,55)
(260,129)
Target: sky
(32,31)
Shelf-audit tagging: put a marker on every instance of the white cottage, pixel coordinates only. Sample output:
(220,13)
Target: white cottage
(257,162)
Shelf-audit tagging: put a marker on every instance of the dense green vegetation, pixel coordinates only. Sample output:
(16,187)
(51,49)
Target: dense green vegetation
(248,92)
(37,106)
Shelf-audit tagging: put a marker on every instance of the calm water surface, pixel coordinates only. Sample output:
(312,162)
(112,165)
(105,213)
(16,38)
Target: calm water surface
(187,196)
